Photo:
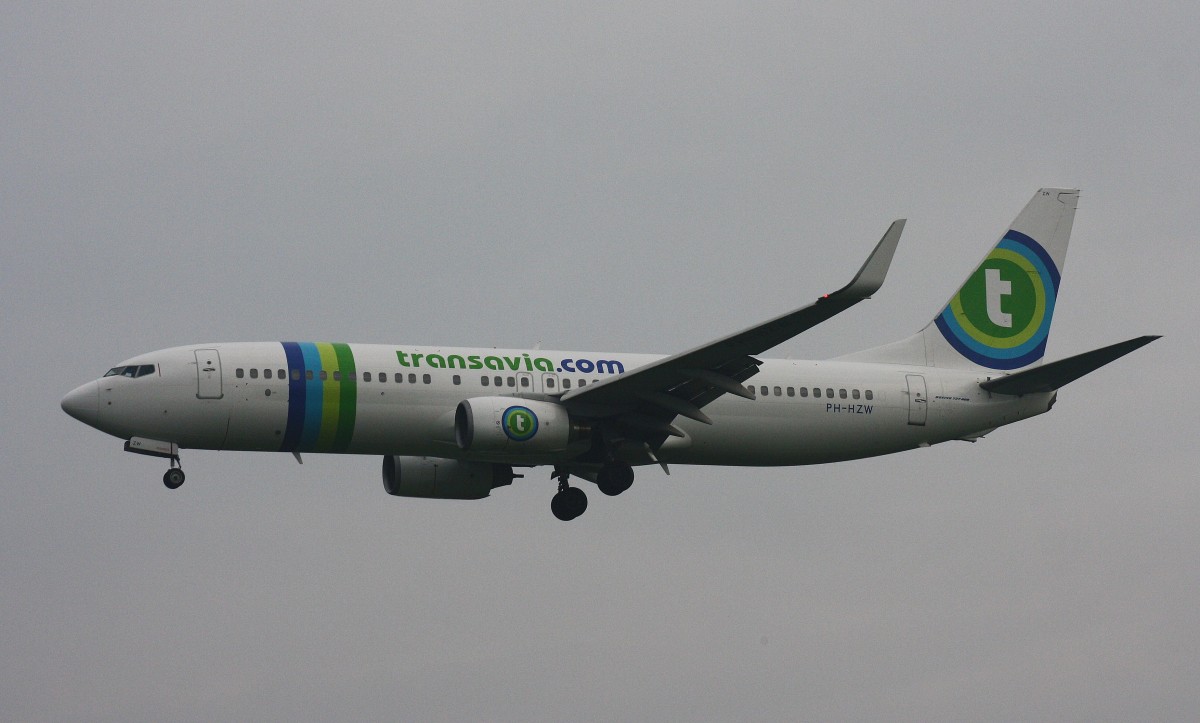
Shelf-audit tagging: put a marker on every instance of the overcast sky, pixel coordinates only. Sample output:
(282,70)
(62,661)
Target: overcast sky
(620,177)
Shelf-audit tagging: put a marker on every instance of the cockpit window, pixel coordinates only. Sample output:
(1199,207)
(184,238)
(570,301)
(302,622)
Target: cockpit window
(131,371)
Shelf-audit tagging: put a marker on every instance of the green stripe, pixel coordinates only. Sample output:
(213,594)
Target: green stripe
(330,393)
(348,398)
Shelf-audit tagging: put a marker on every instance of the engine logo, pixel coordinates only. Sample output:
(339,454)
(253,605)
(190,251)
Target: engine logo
(520,423)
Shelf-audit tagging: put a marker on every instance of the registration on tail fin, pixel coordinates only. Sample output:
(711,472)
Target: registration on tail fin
(1000,317)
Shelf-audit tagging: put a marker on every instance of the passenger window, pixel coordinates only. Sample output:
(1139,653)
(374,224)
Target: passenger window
(524,382)
(382,377)
(457,380)
(337,375)
(842,393)
(266,373)
(485,381)
(512,381)
(254,374)
(282,374)
(366,376)
(412,378)
(829,393)
(566,384)
(778,392)
(296,375)
(817,392)
(791,391)
(549,382)
(239,373)
(854,394)
(324,375)
(308,374)
(583,382)
(869,395)
(804,391)
(764,391)
(499,381)
(399,378)
(425,378)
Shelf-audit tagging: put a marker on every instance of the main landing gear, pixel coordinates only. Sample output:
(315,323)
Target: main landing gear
(173,478)
(614,478)
(570,502)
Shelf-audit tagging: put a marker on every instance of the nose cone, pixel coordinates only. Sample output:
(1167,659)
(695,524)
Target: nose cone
(83,403)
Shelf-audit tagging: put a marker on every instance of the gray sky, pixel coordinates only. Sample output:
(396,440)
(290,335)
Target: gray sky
(630,177)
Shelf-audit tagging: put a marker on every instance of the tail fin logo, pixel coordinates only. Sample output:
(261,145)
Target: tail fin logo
(1000,318)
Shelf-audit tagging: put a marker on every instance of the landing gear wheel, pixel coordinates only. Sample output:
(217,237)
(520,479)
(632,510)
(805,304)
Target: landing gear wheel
(615,478)
(173,478)
(568,503)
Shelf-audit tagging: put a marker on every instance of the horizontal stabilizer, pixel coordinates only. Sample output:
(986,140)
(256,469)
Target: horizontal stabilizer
(1056,375)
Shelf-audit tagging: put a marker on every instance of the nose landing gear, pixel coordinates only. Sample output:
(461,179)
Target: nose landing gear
(173,478)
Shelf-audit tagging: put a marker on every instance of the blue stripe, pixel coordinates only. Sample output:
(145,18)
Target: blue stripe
(987,360)
(296,395)
(314,396)
(1041,253)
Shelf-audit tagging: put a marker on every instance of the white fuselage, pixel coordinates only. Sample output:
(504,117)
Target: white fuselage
(396,400)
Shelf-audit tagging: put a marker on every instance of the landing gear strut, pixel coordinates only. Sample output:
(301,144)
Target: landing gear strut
(614,478)
(569,502)
(173,478)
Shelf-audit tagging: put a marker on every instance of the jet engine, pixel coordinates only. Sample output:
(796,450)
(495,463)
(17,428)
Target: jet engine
(511,425)
(443,479)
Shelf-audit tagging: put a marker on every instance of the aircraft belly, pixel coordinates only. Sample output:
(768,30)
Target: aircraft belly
(788,436)
(204,425)
(393,426)
(257,420)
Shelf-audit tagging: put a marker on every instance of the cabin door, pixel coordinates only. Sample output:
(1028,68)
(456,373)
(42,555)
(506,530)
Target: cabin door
(918,400)
(208,374)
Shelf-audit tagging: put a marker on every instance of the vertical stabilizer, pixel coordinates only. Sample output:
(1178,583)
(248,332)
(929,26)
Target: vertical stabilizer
(1000,317)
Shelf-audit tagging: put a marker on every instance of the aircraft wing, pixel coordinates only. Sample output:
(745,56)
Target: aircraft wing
(1055,375)
(649,397)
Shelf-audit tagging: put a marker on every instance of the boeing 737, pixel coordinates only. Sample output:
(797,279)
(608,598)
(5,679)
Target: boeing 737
(454,423)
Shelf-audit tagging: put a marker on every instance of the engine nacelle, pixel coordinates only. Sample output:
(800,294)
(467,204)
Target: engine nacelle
(443,479)
(509,425)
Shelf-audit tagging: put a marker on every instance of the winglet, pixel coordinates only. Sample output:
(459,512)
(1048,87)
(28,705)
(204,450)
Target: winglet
(870,277)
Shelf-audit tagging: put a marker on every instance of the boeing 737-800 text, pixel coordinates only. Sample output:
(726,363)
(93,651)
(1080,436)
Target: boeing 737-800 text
(453,423)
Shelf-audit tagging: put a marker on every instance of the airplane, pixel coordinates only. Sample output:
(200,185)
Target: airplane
(454,423)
